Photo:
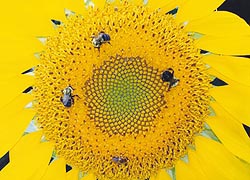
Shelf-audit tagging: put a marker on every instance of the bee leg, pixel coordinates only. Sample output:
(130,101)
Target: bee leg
(170,85)
(98,51)
(76,95)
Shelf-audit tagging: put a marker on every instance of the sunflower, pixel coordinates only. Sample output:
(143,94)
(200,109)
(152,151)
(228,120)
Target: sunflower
(127,90)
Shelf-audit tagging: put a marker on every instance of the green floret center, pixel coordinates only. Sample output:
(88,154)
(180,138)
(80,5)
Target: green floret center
(130,95)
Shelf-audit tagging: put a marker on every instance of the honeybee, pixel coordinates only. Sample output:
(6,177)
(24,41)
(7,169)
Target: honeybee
(168,76)
(100,39)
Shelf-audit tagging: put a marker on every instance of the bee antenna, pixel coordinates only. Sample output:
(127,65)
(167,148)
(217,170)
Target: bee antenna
(71,87)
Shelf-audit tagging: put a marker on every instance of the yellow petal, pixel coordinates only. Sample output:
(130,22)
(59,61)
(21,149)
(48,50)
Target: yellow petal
(11,70)
(14,86)
(19,49)
(156,4)
(28,157)
(18,33)
(230,132)
(217,162)
(235,99)
(72,174)
(137,2)
(220,23)
(14,120)
(56,170)
(33,17)
(165,6)
(114,2)
(190,171)
(235,68)
(17,54)
(232,45)
(194,9)
(89,176)
(73,5)
(99,3)
(161,175)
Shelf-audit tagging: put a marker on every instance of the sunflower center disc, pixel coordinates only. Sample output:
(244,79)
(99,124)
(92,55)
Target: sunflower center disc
(121,121)
(124,95)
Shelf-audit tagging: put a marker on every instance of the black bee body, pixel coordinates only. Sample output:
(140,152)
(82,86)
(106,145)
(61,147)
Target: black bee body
(168,76)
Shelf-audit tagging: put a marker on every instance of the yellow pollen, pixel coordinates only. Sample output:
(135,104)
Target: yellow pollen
(121,120)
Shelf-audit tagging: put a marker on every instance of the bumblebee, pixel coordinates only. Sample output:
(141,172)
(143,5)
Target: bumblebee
(168,76)
(68,99)
(120,160)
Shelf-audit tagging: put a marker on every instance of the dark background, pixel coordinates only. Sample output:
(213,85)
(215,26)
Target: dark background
(239,7)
